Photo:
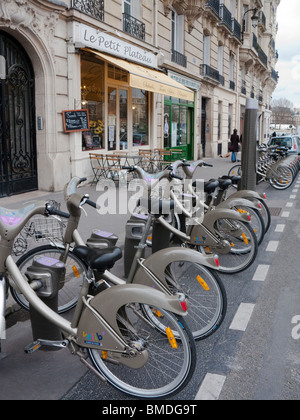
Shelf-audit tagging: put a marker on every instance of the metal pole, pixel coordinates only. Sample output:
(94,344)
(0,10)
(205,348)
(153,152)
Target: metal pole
(249,153)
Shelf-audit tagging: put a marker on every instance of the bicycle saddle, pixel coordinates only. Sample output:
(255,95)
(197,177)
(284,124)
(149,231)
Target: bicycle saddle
(98,259)
(211,185)
(235,178)
(157,207)
(224,183)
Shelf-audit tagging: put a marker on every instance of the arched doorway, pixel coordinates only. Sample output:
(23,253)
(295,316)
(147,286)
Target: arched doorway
(18,157)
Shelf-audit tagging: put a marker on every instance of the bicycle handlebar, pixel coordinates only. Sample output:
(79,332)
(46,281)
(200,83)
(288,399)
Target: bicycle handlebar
(52,211)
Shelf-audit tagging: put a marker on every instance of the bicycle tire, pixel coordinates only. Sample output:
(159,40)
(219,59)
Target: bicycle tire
(235,170)
(257,222)
(243,251)
(168,369)
(205,293)
(67,296)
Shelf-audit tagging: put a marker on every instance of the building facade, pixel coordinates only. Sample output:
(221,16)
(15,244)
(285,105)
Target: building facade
(150,73)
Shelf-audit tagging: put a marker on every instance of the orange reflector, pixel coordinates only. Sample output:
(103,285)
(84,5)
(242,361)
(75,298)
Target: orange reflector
(75,271)
(203,283)
(241,211)
(171,338)
(245,238)
(156,311)
(104,355)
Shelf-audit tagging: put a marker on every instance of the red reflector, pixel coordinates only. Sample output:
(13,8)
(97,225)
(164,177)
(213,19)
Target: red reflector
(249,217)
(217,262)
(259,205)
(265,195)
(184,305)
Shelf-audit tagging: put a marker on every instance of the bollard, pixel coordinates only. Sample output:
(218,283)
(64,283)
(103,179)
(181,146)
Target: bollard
(48,273)
(249,152)
(135,227)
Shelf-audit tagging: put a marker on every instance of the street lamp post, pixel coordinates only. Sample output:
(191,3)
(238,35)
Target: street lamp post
(254,19)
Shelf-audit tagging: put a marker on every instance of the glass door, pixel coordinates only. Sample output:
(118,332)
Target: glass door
(123,110)
(112,118)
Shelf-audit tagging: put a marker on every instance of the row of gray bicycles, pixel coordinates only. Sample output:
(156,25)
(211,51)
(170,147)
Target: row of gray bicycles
(138,331)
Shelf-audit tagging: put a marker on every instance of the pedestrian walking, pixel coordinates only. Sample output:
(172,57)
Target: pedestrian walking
(234,146)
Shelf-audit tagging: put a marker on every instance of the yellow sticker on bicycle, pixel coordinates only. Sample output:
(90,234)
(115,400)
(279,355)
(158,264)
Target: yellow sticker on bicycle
(245,238)
(171,338)
(203,283)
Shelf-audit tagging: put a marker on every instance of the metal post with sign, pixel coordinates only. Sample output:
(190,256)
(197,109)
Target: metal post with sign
(249,152)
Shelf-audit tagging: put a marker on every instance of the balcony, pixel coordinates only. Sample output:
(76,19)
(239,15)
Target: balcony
(261,55)
(178,58)
(231,85)
(226,17)
(274,75)
(210,73)
(94,8)
(236,29)
(212,8)
(243,87)
(134,27)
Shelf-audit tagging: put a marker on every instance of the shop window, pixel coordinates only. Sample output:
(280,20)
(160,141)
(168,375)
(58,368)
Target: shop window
(140,107)
(92,98)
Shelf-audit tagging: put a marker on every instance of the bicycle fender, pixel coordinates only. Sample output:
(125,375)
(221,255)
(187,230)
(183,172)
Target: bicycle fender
(98,327)
(219,213)
(248,194)
(231,202)
(153,274)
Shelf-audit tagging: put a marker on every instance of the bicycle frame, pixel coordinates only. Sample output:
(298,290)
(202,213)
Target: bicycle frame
(92,314)
(140,273)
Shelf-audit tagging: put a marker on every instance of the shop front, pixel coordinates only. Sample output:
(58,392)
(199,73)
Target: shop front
(125,99)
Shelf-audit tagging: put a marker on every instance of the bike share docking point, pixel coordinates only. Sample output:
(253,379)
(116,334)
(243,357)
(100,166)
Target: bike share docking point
(249,152)
(46,277)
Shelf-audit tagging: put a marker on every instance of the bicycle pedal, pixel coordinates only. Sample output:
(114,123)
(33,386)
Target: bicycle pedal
(32,347)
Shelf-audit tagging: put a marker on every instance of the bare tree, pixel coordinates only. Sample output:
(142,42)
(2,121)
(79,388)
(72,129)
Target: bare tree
(282,111)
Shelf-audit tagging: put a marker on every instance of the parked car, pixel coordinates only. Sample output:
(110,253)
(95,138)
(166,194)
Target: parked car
(292,142)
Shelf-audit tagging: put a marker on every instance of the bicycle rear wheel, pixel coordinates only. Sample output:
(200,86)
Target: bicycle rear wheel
(169,367)
(207,300)
(243,245)
(69,290)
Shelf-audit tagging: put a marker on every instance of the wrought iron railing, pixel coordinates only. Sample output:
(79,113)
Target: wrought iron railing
(178,58)
(210,72)
(261,54)
(231,85)
(214,5)
(226,16)
(134,27)
(243,87)
(94,8)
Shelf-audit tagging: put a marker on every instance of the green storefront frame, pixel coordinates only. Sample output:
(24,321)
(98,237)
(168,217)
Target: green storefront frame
(179,126)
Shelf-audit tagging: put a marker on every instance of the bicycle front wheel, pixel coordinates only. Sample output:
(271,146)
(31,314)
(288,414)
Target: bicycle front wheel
(72,283)
(169,367)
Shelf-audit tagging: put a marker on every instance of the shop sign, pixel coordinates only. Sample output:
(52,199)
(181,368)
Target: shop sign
(101,41)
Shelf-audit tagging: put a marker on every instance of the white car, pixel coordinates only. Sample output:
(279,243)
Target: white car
(292,142)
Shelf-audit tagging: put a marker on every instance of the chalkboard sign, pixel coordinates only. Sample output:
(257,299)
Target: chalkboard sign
(76,120)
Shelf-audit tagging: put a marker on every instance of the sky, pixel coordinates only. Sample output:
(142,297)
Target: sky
(288,46)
